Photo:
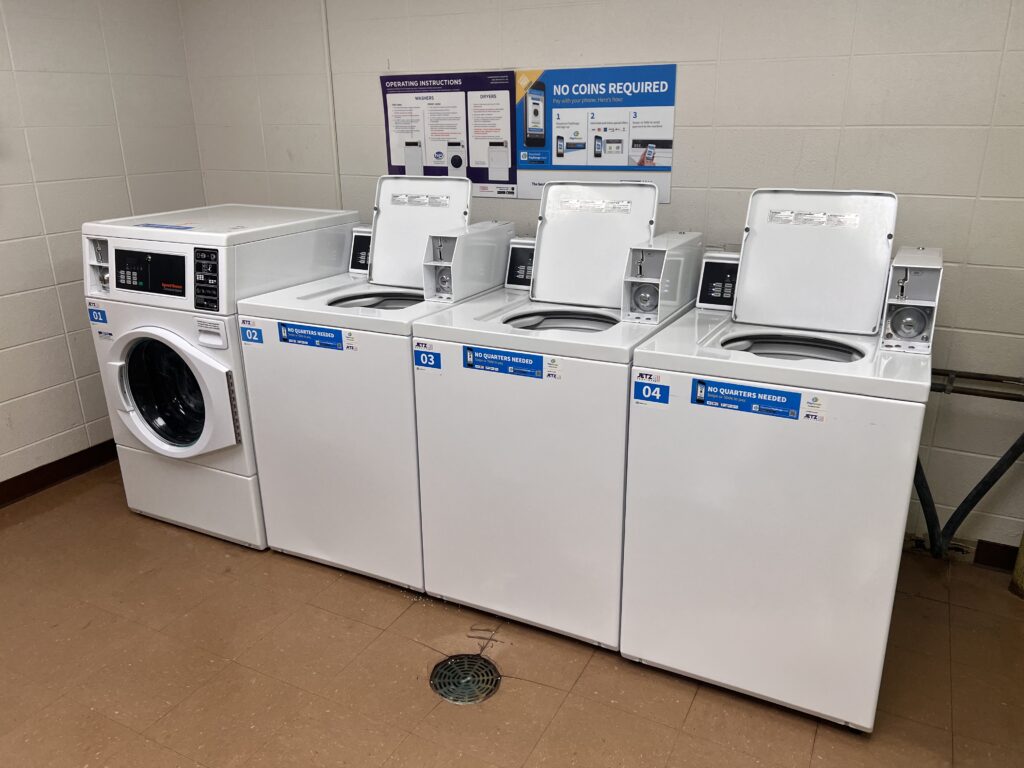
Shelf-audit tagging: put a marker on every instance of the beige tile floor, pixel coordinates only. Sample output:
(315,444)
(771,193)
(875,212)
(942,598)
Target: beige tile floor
(129,643)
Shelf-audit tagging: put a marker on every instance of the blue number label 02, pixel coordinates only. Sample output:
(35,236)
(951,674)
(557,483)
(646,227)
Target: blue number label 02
(252,335)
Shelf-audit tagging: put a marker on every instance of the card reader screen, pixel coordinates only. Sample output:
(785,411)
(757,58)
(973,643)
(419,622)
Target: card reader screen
(718,284)
(360,261)
(520,266)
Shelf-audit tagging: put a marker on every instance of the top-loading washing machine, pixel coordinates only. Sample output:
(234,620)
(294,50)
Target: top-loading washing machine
(772,446)
(161,291)
(521,412)
(329,367)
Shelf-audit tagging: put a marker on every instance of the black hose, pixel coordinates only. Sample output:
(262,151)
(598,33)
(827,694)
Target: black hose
(931,517)
(977,493)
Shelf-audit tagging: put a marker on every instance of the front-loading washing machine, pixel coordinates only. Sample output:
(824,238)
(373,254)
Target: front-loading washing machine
(521,411)
(330,376)
(772,447)
(161,291)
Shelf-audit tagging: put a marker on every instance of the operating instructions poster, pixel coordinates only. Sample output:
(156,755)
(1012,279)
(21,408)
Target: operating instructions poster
(456,124)
(510,132)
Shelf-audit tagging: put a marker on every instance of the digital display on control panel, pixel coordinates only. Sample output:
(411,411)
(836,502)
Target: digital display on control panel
(718,283)
(520,266)
(149,272)
(360,260)
(207,279)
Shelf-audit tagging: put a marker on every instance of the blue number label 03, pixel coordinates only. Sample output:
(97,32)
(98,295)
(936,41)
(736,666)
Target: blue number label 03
(651,393)
(252,335)
(426,359)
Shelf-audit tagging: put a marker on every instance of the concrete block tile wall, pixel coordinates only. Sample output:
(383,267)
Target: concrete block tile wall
(278,102)
(96,120)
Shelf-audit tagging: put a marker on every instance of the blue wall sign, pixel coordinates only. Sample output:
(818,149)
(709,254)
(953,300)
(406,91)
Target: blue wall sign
(746,398)
(311,336)
(503,361)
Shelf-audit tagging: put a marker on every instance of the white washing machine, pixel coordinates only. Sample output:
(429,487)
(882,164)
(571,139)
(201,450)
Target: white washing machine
(161,292)
(521,412)
(771,458)
(329,368)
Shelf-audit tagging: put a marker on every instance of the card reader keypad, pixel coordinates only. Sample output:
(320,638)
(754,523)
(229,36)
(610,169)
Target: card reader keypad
(207,280)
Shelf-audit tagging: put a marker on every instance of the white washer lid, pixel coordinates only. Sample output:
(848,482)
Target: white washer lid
(409,209)
(584,237)
(817,260)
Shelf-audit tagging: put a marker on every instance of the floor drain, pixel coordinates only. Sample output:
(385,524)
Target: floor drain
(466,678)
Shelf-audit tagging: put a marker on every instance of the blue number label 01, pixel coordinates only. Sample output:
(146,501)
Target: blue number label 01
(252,335)
(651,393)
(97,316)
(426,359)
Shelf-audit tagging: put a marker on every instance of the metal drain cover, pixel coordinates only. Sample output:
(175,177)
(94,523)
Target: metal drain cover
(466,678)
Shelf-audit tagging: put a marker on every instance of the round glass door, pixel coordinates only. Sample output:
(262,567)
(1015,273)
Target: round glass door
(165,392)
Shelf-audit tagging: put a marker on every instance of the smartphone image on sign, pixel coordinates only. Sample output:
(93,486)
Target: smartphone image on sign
(533,107)
(598,146)
(649,154)
(560,146)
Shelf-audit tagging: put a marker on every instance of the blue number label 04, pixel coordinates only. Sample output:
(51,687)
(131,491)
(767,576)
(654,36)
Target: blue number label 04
(651,393)
(426,359)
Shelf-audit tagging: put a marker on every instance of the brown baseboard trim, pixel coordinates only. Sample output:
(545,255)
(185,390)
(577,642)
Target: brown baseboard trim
(994,555)
(55,472)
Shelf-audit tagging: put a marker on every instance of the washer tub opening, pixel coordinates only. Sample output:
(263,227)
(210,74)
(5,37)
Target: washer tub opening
(562,319)
(783,347)
(379,300)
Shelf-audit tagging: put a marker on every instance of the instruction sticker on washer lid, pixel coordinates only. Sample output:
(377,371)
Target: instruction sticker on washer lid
(311,336)
(432,201)
(503,361)
(814,218)
(596,206)
(745,398)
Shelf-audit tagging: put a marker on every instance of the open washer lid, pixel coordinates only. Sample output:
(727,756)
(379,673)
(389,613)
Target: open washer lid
(409,209)
(584,237)
(816,260)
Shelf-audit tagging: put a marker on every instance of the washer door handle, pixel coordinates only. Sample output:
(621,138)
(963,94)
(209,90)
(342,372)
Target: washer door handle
(124,402)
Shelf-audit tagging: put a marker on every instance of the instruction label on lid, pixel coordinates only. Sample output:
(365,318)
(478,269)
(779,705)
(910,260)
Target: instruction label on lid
(814,218)
(596,206)
(423,201)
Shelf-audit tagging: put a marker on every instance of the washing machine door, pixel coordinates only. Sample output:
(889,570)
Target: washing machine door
(172,396)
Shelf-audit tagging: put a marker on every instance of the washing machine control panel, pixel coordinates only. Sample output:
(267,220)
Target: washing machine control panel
(149,272)
(207,279)
(718,282)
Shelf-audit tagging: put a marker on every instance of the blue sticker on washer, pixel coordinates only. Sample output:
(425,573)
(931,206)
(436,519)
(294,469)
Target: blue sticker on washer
(311,336)
(503,361)
(651,392)
(743,397)
(166,226)
(97,316)
(424,359)
(252,335)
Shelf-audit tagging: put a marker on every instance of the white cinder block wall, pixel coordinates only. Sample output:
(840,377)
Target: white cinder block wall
(95,121)
(922,97)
